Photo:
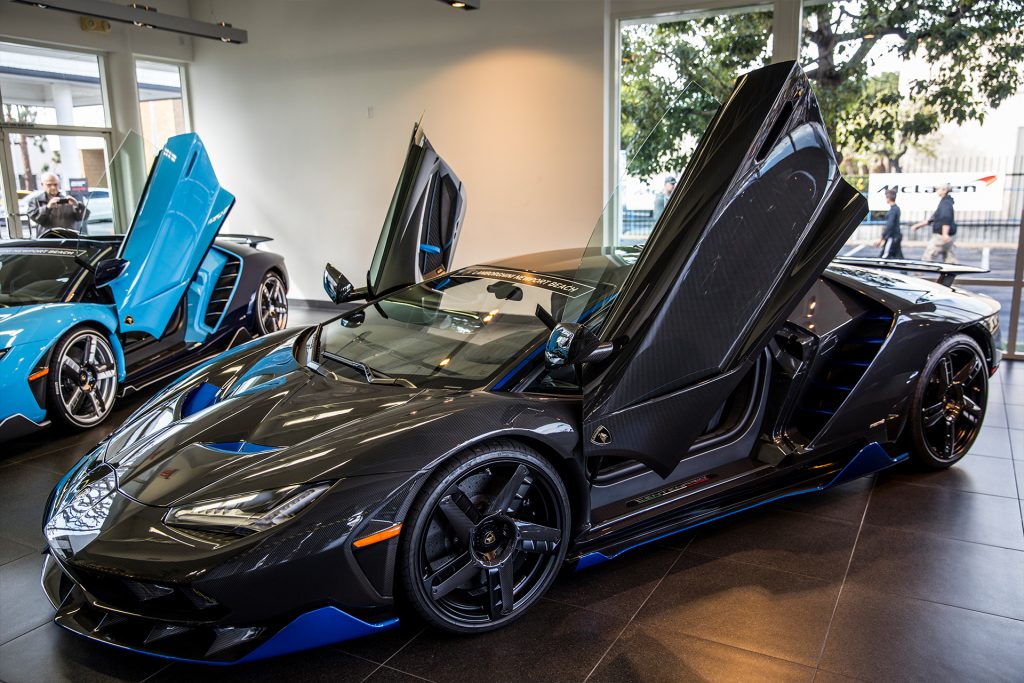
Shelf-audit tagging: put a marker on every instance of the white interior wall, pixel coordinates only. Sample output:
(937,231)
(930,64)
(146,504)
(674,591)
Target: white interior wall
(308,123)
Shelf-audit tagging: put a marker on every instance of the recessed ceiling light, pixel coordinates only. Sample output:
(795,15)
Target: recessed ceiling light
(463,4)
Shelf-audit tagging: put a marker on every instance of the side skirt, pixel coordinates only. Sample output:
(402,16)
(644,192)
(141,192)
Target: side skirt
(872,458)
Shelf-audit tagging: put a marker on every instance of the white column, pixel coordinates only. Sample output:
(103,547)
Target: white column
(787,23)
(70,156)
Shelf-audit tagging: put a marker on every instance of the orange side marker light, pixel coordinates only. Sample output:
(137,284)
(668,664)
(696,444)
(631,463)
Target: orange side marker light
(38,373)
(384,535)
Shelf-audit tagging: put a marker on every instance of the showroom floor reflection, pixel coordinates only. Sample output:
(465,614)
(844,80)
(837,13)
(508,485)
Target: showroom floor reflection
(905,575)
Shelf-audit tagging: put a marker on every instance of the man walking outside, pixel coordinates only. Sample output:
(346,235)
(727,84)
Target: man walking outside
(892,236)
(943,228)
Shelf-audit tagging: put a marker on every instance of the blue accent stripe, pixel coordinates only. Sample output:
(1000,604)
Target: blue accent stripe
(430,249)
(872,458)
(596,307)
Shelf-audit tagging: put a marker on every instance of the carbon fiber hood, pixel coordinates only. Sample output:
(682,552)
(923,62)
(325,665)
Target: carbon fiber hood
(255,419)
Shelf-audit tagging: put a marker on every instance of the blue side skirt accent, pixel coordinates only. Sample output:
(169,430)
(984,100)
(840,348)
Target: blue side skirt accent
(872,458)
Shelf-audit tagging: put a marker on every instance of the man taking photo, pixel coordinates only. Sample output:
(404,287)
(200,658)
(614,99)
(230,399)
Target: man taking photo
(52,208)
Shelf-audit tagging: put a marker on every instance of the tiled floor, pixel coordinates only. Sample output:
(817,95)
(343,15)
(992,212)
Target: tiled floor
(905,576)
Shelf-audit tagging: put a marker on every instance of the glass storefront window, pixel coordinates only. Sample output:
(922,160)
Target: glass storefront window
(161,102)
(673,73)
(45,87)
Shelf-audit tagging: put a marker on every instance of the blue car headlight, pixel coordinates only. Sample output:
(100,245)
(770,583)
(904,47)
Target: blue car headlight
(246,513)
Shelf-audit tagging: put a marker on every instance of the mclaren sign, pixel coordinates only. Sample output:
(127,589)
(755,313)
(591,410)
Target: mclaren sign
(972,191)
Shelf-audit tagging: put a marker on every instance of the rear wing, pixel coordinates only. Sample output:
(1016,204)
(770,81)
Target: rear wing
(946,272)
(253,241)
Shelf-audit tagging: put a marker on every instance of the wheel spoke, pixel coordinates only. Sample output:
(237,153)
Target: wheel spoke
(500,590)
(90,349)
(460,513)
(968,372)
(97,403)
(70,362)
(534,538)
(451,575)
(508,493)
(933,414)
(947,447)
(75,399)
(946,372)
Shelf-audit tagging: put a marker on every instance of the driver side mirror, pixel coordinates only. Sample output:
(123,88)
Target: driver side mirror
(572,343)
(108,270)
(339,288)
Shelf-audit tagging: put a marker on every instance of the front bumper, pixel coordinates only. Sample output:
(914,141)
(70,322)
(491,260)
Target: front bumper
(82,613)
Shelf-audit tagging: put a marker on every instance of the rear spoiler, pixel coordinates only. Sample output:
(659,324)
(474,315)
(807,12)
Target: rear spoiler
(253,241)
(946,272)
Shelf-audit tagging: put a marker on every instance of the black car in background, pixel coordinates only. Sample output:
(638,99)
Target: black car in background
(444,449)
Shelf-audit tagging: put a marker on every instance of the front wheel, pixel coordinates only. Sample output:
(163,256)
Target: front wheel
(82,379)
(949,403)
(486,537)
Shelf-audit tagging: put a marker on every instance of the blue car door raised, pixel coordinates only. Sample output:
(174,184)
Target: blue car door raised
(178,217)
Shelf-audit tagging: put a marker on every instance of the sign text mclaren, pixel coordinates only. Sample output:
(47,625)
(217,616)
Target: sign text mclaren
(916,192)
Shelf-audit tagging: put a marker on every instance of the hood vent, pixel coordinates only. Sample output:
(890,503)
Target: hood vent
(199,398)
(243,447)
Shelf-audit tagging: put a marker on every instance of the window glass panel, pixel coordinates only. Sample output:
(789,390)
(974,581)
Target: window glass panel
(671,67)
(80,166)
(161,104)
(43,86)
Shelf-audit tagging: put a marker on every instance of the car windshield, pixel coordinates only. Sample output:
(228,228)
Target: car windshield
(37,275)
(453,332)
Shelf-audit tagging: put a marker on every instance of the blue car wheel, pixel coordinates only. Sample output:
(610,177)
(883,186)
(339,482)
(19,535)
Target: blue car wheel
(82,381)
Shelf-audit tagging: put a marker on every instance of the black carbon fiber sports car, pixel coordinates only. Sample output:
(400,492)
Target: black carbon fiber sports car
(442,450)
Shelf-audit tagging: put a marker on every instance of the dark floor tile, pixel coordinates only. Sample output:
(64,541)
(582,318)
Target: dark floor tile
(23,606)
(946,512)
(651,655)
(381,647)
(754,608)
(884,637)
(805,544)
(51,654)
(23,493)
(993,441)
(969,575)
(12,550)
(551,642)
(846,502)
(619,587)
(388,675)
(323,664)
(977,474)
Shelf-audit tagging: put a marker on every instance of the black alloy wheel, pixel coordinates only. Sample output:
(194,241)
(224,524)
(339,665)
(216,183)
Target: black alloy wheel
(271,304)
(82,379)
(949,403)
(486,537)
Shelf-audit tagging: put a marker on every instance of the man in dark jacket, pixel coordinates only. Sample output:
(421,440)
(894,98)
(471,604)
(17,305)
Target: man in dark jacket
(892,236)
(943,228)
(52,208)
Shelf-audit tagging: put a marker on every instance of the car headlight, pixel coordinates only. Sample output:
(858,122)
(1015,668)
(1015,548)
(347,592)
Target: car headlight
(246,513)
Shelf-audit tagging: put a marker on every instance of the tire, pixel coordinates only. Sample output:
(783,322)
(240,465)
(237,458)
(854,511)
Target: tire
(271,311)
(949,403)
(81,386)
(480,548)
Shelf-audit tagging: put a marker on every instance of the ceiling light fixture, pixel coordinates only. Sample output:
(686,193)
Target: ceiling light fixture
(146,16)
(462,4)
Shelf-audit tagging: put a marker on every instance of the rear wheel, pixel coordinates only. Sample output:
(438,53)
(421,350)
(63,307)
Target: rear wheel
(487,536)
(82,381)
(949,403)
(271,304)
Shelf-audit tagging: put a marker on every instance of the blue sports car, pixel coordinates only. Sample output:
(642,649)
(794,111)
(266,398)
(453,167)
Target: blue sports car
(84,320)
